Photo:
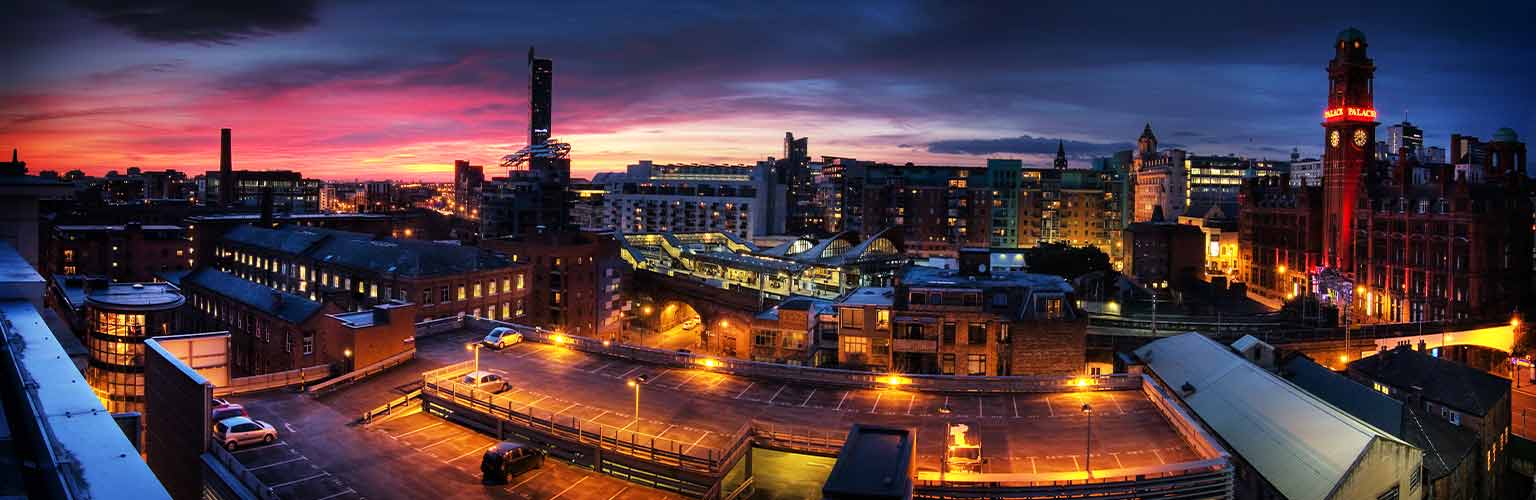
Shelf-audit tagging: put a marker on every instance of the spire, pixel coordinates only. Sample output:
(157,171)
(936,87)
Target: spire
(1146,133)
(1061,155)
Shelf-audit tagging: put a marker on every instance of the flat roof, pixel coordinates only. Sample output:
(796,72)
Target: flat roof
(103,463)
(136,296)
(875,462)
(869,296)
(931,277)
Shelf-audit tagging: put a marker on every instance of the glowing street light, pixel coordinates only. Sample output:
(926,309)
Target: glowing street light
(1088,444)
(474,347)
(635,383)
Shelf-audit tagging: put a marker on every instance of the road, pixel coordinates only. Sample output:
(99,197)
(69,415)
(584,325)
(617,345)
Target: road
(1522,408)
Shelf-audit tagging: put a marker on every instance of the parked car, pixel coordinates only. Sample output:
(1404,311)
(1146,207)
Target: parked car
(691,323)
(224,409)
(237,431)
(486,381)
(501,337)
(507,459)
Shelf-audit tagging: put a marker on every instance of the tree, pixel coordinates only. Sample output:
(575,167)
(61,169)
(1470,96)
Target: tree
(1065,260)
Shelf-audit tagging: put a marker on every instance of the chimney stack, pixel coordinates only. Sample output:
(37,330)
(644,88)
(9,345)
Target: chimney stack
(226,171)
(266,207)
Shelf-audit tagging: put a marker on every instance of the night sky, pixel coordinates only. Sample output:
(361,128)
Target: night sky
(401,89)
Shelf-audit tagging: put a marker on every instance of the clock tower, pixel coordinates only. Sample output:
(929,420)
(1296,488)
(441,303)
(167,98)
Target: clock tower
(1349,143)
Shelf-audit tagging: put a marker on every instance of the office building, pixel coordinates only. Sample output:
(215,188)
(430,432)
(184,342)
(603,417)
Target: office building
(1405,138)
(1033,206)
(744,200)
(1165,252)
(120,316)
(289,190)
(534,197)
(576,281)
(468,183)
(356,271)
(126,253)
(795,172)
(1280,238)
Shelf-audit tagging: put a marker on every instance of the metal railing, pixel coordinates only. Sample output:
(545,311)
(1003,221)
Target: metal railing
(409,399)
(440,383)
(363,372)
(820,376)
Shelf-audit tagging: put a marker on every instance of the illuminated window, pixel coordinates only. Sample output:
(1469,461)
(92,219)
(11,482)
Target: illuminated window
(477,291)
(519,282)
(491,285)
(976,364)
(855,345)
(461,294)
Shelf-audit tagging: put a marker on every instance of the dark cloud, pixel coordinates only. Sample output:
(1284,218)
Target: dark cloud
(197,21)
(1024,144)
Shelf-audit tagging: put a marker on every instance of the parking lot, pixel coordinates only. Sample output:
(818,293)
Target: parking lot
(1022,432)
(291,475)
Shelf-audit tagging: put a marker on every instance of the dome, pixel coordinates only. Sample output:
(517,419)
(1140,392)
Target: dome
(1351,35)
(1505,134)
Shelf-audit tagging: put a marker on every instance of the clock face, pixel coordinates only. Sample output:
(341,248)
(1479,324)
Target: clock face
(1333,138)
(1360,138)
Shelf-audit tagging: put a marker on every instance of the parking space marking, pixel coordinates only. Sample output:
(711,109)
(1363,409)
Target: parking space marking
(664,431)
(1074,463)
(776,394)
(1015,405)
(1032,468)
(525,480)
(600,415)
(878,395)
(297,481)
(696,442)
(1159,456)
(477,449)
(337,494)
(744,391)
(808,397)
(626,374)
(685,381)
(910,399)
(600,368)
(417,430)
(573,405)
(1048,405)
(840,401)
(536,401)
(568,488)
(291,460)
(981,410)
(1117,403)
(658,376)
(1117,460)
(441,441)
(620,492)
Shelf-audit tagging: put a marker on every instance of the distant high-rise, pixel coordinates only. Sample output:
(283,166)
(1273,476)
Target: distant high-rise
(1405,136)
(226,170)
(799,184)
(540,95)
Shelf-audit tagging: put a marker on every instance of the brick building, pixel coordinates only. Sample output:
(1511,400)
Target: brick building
(970,322)
(126,253)
(1463,396)
(354,271)
(576,280)
(1165,251)
(273,331)
(1280,237)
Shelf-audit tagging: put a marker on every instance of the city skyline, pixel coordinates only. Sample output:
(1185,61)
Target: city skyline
(319,89)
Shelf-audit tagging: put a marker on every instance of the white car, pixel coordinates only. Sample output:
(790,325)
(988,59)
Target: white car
(501,337)
(486,381)
(691,323)
(237,431)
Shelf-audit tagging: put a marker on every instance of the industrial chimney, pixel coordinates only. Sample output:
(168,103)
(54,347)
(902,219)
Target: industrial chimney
(226,171)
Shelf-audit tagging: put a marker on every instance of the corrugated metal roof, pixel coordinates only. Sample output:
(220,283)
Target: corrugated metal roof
(1299,443)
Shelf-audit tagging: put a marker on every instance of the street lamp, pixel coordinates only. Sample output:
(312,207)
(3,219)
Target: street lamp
(1088,445)
(636,383)
(474,347)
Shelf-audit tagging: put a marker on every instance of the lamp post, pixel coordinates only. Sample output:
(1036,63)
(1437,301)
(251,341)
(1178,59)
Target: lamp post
(1088,444)
(475,348)
(636,383)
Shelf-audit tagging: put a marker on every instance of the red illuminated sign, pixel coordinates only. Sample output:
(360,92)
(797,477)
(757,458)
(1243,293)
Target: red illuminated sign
(1350,113)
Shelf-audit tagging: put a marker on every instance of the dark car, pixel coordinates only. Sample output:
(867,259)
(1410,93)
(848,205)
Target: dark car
(507,459)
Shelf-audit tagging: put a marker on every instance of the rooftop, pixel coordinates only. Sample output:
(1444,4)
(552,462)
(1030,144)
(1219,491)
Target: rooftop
(114,227)
(291,308)
(1302,445)
(869,296)
(923,276)
(136,296)
(362,251)
(1446,382)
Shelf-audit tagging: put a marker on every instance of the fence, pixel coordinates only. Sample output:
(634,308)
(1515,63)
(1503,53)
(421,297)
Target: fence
(247,479)
(821,376)
(410,399)
(255,383)
(363,372)
(440,383)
